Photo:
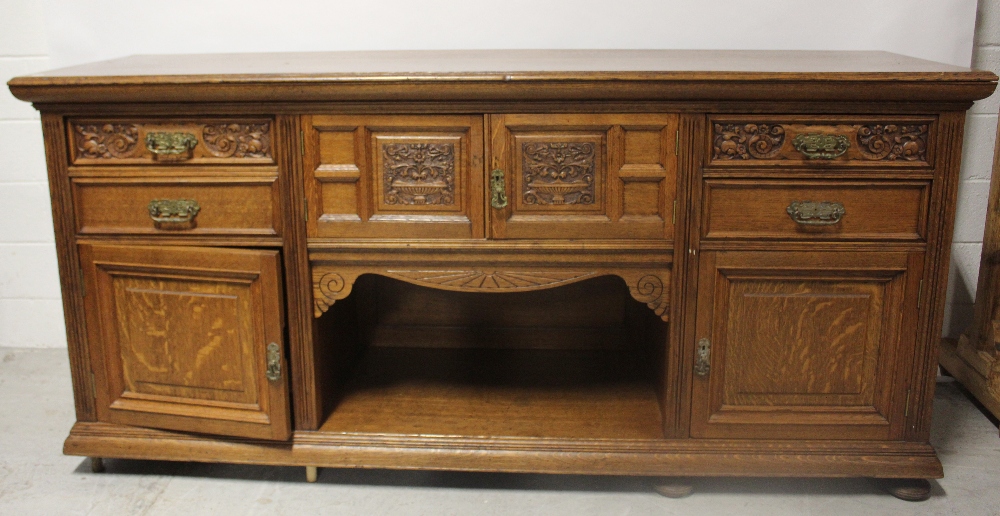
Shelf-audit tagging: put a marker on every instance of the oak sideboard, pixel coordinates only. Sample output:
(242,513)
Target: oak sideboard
(659,263)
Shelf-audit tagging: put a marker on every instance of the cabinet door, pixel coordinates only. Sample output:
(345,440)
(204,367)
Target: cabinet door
(804,345)
(585,176)
(373,176)
(188,339)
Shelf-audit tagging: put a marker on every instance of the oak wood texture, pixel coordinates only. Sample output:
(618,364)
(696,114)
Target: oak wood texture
(216,141)
(974,359)
(181,337)
(758,209)
(648,196)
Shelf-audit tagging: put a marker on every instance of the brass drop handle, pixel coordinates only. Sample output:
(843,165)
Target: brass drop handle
(171,145)
(498,189)
(821,146)
(273,372)
(173,211)
(811,213)
(703,361)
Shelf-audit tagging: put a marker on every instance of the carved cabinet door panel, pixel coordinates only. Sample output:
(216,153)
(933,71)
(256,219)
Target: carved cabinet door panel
(370,176)
(804,345)
(188,339)
(583,176)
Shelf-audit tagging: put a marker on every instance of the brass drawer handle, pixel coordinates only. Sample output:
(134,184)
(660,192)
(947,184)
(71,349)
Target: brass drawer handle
(821,146)
(816,213)
(498,189)
(173,211)
(171,145)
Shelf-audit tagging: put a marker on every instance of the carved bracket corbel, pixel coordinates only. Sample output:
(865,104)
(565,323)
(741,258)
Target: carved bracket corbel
(333,284)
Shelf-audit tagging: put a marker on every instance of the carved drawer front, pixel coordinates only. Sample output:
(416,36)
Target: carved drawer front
(231,206)
(772,141)
(168,141)
(188,339)
(583,176)
(814,210)
(804,345)
(394,176)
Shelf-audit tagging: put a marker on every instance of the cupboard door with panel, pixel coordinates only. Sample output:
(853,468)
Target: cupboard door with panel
(370,176)
(804,345)
(188,339)
(584,176)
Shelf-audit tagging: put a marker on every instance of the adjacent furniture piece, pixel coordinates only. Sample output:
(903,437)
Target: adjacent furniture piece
(975,358)
(663,263)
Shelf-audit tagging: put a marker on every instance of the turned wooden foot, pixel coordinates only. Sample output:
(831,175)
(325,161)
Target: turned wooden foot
(674,487)
(909,489)
(96,465)
(312,472)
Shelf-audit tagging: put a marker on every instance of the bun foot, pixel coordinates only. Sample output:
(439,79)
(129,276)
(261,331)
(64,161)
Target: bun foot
(909,489)
(96,465)
(674,487)
(312,472)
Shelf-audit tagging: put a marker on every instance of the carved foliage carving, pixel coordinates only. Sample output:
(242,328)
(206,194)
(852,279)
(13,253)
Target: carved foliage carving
(649,289)
(747,141)
(106,141)
(238,140)
(558,173)
(893,142)
(419,173)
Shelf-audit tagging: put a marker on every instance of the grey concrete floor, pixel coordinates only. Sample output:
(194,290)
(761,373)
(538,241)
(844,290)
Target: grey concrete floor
(35,478)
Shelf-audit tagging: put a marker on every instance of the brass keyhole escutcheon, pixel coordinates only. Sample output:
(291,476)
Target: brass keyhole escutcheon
(498,189)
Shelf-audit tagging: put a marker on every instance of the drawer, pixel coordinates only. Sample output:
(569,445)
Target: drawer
(814,210)
(202,141)
(778,141)
(244,206)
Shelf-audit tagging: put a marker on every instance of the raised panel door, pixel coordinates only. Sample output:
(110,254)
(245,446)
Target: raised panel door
(800,345)
(188,339)
(584,176)
(370,176)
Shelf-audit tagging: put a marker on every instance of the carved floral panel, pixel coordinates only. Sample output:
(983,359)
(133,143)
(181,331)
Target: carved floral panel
(106,141)
(558,173)
(747,141)
(418,173)
(893,142)
(238,140)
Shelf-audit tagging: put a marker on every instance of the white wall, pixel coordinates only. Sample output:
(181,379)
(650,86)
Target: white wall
(38,35)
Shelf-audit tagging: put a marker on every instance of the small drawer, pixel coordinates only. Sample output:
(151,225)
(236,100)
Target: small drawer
(814,210)
(784,141)
(159,142)
(244,206)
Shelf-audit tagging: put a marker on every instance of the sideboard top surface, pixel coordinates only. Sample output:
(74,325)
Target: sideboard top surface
(510,74)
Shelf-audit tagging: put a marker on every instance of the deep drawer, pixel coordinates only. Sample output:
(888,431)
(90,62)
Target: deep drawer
(245,206)
(779,141)
(202,141)
(814,210)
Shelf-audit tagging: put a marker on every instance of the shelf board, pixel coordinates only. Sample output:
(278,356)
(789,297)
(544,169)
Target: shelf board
(490,392)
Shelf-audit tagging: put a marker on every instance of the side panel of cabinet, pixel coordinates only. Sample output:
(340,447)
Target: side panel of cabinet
(804,345)
(585,176)
(183,338)
(394,176)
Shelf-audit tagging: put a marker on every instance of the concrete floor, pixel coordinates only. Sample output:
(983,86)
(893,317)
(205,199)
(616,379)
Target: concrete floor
(35,478)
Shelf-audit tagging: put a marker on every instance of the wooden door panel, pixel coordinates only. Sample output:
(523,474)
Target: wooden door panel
(394,176)
(585,176)
(185,337)
(804,345)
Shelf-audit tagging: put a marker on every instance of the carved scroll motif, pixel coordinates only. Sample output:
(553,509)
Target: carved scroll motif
(238,140)
(106,141)
(558,173)
(747,141)
(328,289)
(893,142)
(649,289)
(419,173)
